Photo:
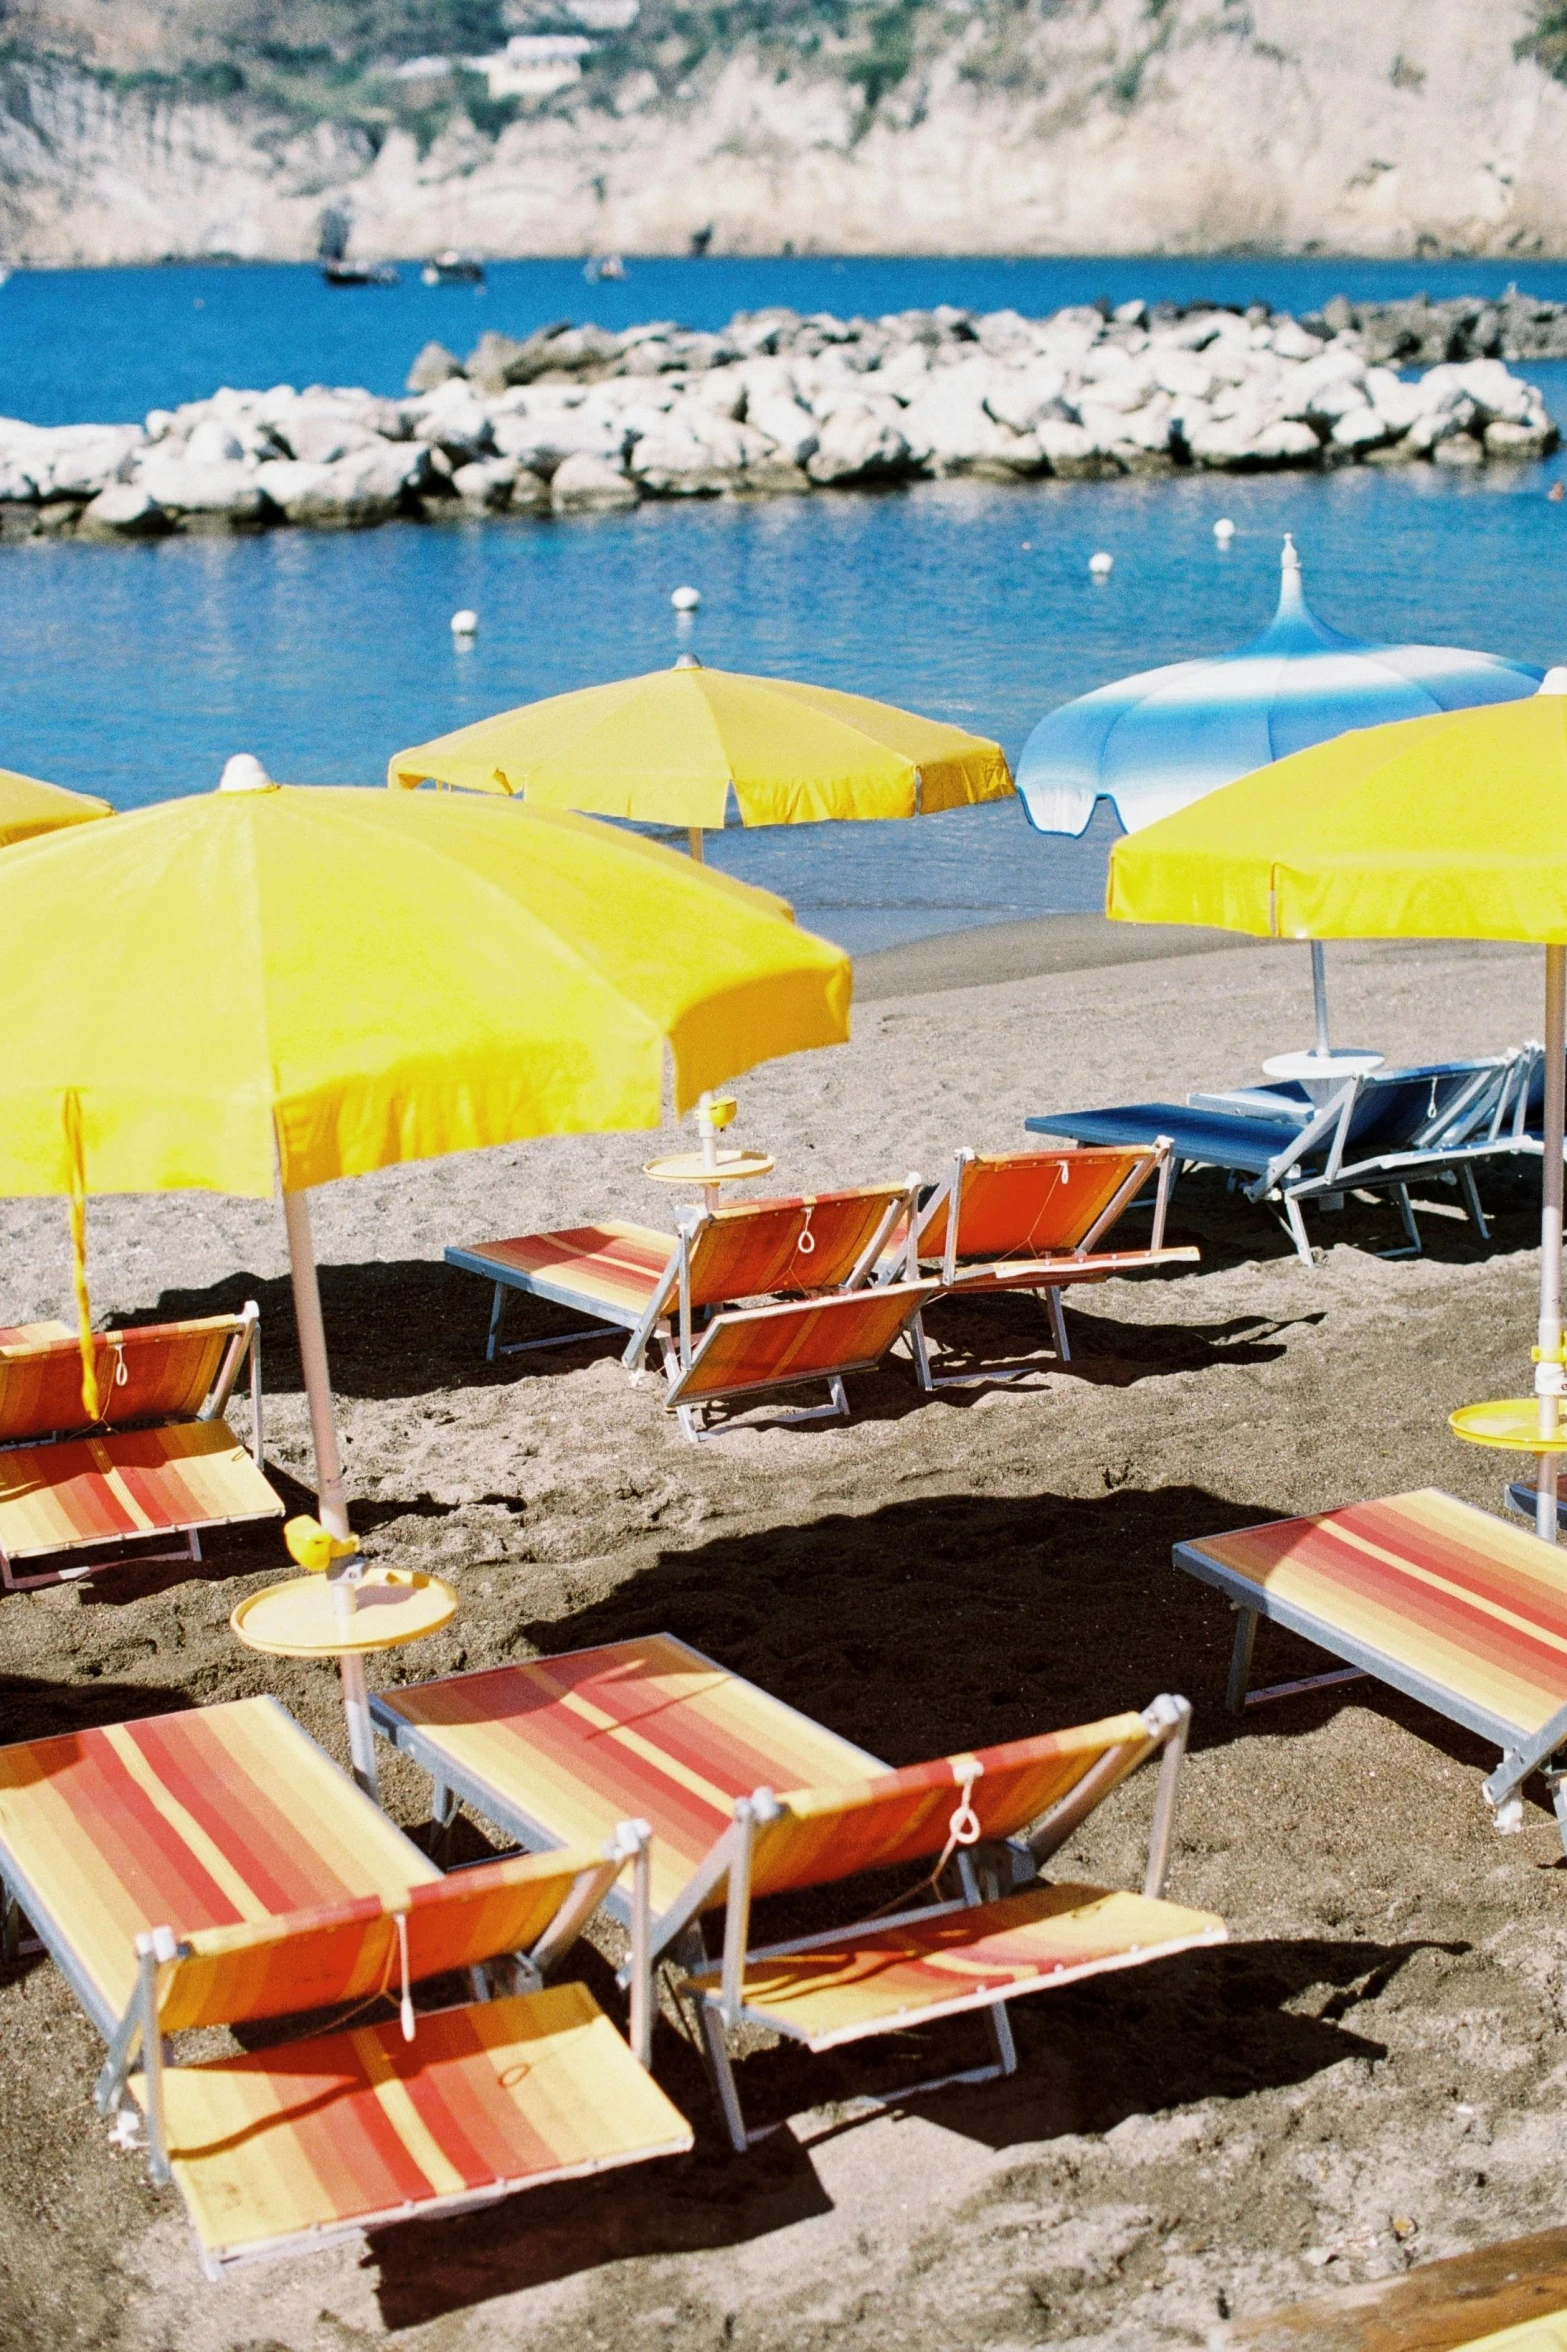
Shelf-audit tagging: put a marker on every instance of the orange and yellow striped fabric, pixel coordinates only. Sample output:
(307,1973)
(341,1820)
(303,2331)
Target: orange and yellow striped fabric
(647,1730)
(1062,1273)
(880,1980)
(1027,1204)
(341,1952)
(824,1834)
(758,1248)
(616,1265)
(198,1820)
(29,1334)
(161,1372)
(129,1482)
(1473,1605)
(351,2128)
(775,1347)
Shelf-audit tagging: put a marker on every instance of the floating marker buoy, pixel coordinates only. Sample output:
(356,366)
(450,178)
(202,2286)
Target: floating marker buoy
(686,599)
(465,623)
(245,773)
(1101,565)
(1224,530)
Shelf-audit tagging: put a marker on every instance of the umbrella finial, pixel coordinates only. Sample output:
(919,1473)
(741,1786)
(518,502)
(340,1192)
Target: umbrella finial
(687,661)
(1292,602)
(1554,681)
(245,773)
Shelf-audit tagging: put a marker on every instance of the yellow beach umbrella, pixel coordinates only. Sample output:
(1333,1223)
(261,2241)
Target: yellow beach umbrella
(1452,827)
(667,749)
(265,989)
(28,808)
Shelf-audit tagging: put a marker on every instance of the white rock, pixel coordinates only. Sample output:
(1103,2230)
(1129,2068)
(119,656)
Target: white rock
(320,436)
(1183,372)
(1505,439)
(17,486)
(232,493)
(1067,449)
(126,510)
(543,439)
(949,427)
(212,443)
(366,486)
(486,481)
(906,373)
(1458,449)
(1022,398)
(1361,428)
(583,482)
(856,444)
(1292,342)
(791,428)
(1498,395)
(1288,442)
(77,461)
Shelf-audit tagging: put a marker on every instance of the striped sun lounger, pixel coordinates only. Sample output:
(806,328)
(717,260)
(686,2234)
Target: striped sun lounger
(161,1461)
(1427,1594)
(215,1868)
(1034,1221)
(652,1284)
(550,1750)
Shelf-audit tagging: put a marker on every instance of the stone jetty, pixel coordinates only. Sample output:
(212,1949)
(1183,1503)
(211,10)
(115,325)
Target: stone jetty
(574,418)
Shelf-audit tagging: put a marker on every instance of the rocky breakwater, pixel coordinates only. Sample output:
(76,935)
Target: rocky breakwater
(574,418)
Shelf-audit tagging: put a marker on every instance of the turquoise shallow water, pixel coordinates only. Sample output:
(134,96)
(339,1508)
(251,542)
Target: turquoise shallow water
(135,671)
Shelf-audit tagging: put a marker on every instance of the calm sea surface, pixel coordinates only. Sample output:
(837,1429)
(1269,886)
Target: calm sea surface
(135,671)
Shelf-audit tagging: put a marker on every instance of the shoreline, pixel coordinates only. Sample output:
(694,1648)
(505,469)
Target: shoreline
(988,954)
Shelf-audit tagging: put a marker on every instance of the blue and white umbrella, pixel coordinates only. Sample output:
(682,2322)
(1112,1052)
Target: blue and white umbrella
(1154,742)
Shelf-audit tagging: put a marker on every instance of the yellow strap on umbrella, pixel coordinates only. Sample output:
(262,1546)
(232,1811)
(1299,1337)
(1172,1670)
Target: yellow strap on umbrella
(73,1145)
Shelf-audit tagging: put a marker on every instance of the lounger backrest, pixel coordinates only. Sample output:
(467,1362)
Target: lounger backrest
(812,1339)
(351,1951)
(813,1243)
(161,1372)
(826,1834)
(1395,1107)
(1026,1204)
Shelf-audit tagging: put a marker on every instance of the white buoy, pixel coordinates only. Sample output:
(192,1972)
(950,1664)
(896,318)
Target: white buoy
(1224,530)
(686,599)
(244,773)
(1101,565)
(465,623)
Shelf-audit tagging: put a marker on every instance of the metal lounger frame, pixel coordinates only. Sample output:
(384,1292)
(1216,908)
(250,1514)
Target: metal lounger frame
(643,1326)
(1523,1752)
(1448,1145)
(244,1341)
(679,1931)
(1155,1157)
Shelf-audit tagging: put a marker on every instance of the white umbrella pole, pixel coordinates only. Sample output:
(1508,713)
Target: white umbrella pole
(1319,993)
(329,1469)
(312,1356)
(1548,1370)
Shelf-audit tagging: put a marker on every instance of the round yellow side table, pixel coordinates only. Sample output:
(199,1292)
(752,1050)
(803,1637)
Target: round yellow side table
(346,1615)
(1512,1425)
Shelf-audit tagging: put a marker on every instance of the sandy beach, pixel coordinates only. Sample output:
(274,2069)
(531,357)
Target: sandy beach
(1371,2073)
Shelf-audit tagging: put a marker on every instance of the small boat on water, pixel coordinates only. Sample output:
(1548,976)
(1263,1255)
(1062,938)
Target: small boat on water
(453,269)
(332,253)
(606,265)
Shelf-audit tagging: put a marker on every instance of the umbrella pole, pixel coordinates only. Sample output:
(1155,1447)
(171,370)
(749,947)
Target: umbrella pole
(694,843)
(1548,1364)
(329,1470)
(1319,994)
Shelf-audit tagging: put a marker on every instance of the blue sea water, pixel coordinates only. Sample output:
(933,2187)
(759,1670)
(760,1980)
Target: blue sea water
(135,671)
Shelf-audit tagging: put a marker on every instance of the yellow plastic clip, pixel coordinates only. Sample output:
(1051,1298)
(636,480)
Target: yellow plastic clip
(1556,1355)
(313,1547)
(721,1110)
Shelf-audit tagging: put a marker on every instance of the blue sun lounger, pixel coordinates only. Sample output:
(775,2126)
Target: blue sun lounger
(1380,1132)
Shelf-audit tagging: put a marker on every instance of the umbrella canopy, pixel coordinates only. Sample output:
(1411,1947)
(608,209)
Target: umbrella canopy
(669,748)
(1442,828)
(28,808)
(1157,741)
(283,986)
(315,983)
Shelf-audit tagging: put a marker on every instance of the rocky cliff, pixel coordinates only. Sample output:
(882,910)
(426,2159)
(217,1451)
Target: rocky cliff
(1025,126)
